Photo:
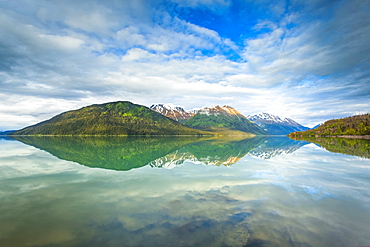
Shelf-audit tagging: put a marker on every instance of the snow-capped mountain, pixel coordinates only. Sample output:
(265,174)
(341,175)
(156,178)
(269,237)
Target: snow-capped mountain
(218,110)
(261,117)
(177,113)
(194,110)
(276,125)
(224,120)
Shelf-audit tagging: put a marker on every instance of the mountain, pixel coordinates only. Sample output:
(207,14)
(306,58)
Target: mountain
(223,120)
(177,113)
(115,118)
(6,132)
(349,126)
(315,127)
(274,125)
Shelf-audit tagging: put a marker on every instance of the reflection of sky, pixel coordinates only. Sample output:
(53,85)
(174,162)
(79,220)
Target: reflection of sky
(310,197)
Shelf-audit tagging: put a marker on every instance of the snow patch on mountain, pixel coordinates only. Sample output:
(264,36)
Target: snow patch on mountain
(218,110)
(276,125)
(172,111)
(194,110)
(269,118)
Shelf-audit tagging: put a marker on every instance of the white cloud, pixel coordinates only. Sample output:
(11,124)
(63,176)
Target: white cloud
(61,42)
(299,66)
(135,54)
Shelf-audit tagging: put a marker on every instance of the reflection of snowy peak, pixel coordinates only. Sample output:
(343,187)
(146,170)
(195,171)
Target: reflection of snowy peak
(268,153)
(173,159)
(175,112)
(179,158)
(275,147)
(218,161)
(276,125)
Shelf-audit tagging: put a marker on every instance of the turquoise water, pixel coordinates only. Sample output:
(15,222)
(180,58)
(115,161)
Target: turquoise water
(181,192)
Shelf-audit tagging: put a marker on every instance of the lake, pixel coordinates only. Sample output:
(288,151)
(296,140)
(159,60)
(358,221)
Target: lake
(184,191)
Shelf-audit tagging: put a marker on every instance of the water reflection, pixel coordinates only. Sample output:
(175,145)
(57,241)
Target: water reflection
(217,151)
(125,153)
(310,197)
(274,146)
(117,153)
(357,147)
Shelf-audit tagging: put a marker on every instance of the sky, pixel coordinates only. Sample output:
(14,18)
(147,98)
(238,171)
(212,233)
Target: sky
(306,60)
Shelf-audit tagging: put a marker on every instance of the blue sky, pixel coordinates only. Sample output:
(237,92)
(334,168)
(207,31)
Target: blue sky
(307,60)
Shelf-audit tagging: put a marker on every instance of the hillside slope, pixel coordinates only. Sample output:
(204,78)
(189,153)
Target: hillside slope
(115,118)
(349,126)
(223,120)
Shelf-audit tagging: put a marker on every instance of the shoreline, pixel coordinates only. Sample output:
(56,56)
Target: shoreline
(367,137)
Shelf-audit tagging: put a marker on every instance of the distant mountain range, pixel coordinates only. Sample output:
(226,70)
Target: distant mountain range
(126,118)
(274,125)
(7,132)
(316,126)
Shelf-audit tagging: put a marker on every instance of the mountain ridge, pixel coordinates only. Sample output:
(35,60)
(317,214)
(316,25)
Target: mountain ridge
(113,118)
(117,118)
(224,119)
(275,125)
(172,111)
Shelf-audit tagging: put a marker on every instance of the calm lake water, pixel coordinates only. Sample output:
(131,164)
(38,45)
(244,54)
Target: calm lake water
(118,191)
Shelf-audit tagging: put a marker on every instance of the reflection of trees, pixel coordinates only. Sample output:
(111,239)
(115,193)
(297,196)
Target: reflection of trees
(357,147)
(117,153)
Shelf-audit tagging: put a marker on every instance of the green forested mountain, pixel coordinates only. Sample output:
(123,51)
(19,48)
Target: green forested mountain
(224,120)
(355,125)
(115,118)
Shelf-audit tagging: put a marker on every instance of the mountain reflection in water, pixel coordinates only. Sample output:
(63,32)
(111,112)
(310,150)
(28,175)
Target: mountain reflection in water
(273,196)
(125,153)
